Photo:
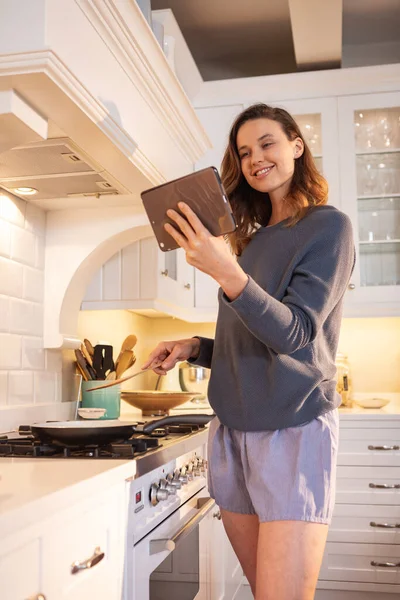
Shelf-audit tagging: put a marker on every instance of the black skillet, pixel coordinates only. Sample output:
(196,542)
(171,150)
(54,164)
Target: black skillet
(79,433)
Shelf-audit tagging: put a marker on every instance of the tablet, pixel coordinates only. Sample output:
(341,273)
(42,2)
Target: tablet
(202,191)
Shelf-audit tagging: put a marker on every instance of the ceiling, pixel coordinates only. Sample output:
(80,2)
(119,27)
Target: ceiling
(266,37)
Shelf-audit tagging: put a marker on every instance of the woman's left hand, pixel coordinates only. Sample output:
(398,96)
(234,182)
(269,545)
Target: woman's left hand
(206,252)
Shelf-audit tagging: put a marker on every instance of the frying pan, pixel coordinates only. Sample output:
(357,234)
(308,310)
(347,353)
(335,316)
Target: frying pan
(79,433)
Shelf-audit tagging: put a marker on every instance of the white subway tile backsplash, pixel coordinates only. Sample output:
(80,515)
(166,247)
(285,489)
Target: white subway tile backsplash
(5,238)
(10,351)
(13,209)
(33,284)
(20,387)
(54,360)
(26,317)
(45,387)
(35,219)
(23,246)
(33,354)
(11,278)
(4,313)
(3,387)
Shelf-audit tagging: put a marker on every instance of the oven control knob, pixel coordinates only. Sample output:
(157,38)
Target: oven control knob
(183,478)
(174,480)
(165,485)
(189,471)
(157,494)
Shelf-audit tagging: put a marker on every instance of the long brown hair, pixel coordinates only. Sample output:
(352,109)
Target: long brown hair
(252,208)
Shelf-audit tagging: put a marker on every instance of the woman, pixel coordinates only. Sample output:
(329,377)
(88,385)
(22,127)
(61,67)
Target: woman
(273,444)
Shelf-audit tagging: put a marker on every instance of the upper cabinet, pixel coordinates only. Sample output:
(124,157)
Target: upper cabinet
(370,190)
(145,280)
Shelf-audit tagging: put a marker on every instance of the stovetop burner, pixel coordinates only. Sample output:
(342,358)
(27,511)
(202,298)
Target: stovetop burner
(28,446)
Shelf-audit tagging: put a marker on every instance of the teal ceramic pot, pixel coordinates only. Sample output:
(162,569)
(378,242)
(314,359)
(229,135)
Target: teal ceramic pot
(109,398)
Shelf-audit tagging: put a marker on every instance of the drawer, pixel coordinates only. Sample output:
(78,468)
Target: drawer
(354,485)
(369,447)
(81,536)
(352,562)
(20,573)
(352,523)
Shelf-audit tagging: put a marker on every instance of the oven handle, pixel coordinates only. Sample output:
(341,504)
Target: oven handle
(157,546)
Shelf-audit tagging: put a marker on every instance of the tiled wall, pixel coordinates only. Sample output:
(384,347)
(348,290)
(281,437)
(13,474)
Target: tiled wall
(28,374)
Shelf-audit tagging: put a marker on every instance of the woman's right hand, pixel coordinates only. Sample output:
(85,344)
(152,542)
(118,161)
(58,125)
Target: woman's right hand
(169,353)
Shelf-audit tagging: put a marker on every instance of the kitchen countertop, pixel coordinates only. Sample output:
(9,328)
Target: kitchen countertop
(34,489)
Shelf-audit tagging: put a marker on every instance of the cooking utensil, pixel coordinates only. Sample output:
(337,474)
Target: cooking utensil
(124,363)
(83,366)
(155,402)
(117,381)
(88,347)
(84,374)
(86,354)
(78,433)
(112,376)
(83,363)
(103,360)
(128,344)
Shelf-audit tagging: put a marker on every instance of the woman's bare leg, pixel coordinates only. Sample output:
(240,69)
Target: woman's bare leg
(289,557)
(242,531)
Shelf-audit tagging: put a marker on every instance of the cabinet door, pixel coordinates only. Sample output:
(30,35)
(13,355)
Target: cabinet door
(226,572)
(317,119)
(206,294)
(369,129)
(89,537)
(20,568)
(217,121)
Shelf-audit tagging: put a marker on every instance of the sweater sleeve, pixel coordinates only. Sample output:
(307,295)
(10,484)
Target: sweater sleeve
(206,352)
(318,283)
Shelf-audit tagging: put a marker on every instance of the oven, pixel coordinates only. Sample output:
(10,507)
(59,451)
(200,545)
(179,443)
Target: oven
(171,558)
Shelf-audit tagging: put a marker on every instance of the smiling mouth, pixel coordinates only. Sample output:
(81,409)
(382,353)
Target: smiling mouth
(262,172)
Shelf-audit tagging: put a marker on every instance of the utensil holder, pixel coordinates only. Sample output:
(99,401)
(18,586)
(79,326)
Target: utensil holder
(108,398)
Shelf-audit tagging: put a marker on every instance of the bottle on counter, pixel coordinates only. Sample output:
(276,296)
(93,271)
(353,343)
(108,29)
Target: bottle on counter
(343,378)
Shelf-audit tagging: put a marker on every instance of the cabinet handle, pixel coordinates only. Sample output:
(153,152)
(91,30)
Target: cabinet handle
(385,525)
(165,273)
(37,597)
(352,286)
(217,515)
(79,566)
(383,447)
(187,286)
(385,486)
(385,564)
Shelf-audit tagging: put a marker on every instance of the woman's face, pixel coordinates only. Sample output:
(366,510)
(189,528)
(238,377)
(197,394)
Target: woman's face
(267,156)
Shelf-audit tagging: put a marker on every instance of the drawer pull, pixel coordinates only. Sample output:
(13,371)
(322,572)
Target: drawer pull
(37,597)
(79,566)
(385,486)
(385,564)
(385,525)
(383,447)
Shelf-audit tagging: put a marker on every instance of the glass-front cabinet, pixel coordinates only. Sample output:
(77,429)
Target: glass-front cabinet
(369,131)
(317,119)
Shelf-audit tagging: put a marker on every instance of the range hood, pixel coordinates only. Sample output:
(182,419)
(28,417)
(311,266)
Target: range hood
(54,168)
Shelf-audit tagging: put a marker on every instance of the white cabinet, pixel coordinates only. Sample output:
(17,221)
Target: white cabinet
(226,572)
(21,567)
(77,553)
(145,280)
(363,546)
(369,129)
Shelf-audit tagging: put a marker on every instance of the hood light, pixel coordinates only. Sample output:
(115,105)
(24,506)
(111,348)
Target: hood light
(25,191)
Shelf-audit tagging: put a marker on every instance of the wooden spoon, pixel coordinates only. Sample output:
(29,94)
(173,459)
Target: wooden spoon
(128,344)
(89,347)
(86,354)
(117,381)
(124,362)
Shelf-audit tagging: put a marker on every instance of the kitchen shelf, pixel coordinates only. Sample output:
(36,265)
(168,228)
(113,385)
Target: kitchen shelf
(379,197)
(379,242)
(380,151)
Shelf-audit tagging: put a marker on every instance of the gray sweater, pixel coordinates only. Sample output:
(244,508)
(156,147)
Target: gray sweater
(273,357)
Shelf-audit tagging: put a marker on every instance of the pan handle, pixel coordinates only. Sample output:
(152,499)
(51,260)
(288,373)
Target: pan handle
(195,419)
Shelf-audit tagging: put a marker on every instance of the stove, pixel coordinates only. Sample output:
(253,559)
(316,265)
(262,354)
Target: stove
(25,445)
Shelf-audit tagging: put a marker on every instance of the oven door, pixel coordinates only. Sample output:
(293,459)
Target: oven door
(171,561)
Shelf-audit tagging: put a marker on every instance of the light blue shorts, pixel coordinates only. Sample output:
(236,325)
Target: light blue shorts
(282,475)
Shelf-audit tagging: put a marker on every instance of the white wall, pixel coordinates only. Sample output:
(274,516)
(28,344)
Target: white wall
(28,374)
